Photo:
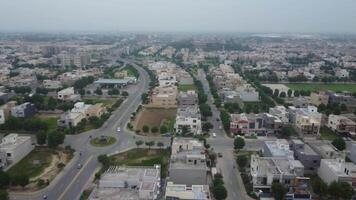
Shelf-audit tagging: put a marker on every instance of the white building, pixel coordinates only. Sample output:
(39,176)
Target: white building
(15,148)
(278,148)
(337,170)
(68,95)
(280,112)
(306,120)
(184,192)
(341,124)
(190,118)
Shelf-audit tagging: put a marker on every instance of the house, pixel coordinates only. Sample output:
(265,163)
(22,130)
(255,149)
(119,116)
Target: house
(342,98)
(15,148)
(278,148)
(300,102)
(131,183)
(341,124)
(188,117)
(337,170)
(250,124)
(184,192)
(188,98)
(188,162)
(24,110)
(317,98)
(5,111)
(267,170)
(68,95)
(70,119)
(324,149)
(306,155)
(341,73)
(280,112)
(306,120)
(164,97)
(51,84)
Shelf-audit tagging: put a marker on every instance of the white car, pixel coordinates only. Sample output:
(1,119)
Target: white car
(118,129)
(214,134)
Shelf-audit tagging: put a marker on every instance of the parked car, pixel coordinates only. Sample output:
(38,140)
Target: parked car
(118,129)
(214,134)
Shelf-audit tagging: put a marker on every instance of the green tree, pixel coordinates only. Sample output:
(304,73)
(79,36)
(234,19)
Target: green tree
(150,144)
(288,131)
(145,128)
(296,93)
(339,143)
(282,95)
(55,138)
(41,137)
(139,143)
(219,192)
(289,92)
(104,159)
(276,93)
(239,143)
(125,93)
(20,179)
(278,191)
(98,91)
(242,160)
(154,129)
(4,195)
(4,179)
(160,144)
(163,129)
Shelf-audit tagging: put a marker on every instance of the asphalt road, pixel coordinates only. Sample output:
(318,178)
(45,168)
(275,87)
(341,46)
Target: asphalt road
(70,183)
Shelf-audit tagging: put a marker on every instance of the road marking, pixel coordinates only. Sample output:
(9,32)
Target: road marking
(75,178)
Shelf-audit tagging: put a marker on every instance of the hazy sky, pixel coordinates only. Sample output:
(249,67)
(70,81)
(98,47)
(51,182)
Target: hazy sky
(335,16)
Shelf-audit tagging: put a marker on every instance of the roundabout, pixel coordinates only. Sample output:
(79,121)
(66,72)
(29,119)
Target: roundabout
(102,141)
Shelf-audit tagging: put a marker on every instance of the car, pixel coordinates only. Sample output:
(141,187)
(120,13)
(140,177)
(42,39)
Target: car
(214,134)
(217,119)
(44,196)
(79,166)
(118,129)
(220,155)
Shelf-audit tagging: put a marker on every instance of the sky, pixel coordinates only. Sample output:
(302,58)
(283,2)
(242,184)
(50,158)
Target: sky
(267,16)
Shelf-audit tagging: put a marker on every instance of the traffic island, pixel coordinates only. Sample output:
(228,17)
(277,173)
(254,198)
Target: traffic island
(103,141)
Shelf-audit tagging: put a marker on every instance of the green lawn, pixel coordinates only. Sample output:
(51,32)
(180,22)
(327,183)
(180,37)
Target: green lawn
(327,134)
(337,87)
(144,157)
(169,123)
(98,143)
(51,122)
(34,163)
(106,102)
(185,88)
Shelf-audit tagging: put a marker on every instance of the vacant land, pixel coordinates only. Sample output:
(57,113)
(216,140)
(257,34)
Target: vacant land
(185,88)
(327,134)
(108,102)
(143,157)
(153,117)
(337,87)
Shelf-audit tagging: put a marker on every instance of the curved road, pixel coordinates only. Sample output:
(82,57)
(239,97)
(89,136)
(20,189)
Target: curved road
(70,183)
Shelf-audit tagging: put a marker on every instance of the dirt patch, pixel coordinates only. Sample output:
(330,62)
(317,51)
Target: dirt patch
(152,117)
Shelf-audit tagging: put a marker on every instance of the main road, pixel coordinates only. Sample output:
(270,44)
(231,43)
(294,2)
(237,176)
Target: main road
(70,183)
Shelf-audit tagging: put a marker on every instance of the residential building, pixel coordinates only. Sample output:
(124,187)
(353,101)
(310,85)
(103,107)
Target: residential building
(15,148)
(342,98)
(188,98)
(280,112)
(164,97)
(24,110)
(188,118)
(317,98)
(341,124)
(324,149)
(278,148)
(68,95)
(5,111)
(70,119)
(188,162)
(306,155)
(306,120)
(300,102)
(267,170)
(184,192)
(51,84)
(337,170)
(252,124)
(129,183)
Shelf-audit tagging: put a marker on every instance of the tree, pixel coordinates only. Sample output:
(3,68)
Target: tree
(296,93)
(55,138)
(339,143)
(207,126)
(41,137)
(125,93)
(343,107)
(154,129)
(20,179)
(145,128)
(282,95)
(239,143)
(276,93)
(219,192)
(98,91)
(288,131)
(289,92)
(149,144)
(242,161)
(104,159)
(163,129)
(160,144)
(278,191)
(321,107)
(4,195)
(4,179)
(144,98)
(184,130)
(346,190)
(139,143)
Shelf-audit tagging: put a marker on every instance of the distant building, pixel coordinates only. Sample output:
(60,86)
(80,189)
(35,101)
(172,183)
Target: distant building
(24,110)
(306,120)
(188,162)
(184,192)
(317,98)
(280,112)
(5,111)
(68,95)
(51,84)
(129,183)
(13,148)
(342,98)
(341,124)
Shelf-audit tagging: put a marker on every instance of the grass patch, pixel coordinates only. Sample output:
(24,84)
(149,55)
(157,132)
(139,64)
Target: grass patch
(97,142)
(51,122)
(185,88)
(337,87)
(34,163)
(143,157)
(107,102)
(327,134)
(169,123)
